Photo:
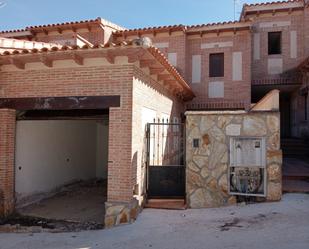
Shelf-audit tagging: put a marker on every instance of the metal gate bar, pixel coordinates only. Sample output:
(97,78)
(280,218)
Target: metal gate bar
(165,160)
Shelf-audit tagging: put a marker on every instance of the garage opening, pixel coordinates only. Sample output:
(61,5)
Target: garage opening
(61,165)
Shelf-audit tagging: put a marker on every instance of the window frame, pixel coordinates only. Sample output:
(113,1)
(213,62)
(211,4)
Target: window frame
(213,64)
(272,50)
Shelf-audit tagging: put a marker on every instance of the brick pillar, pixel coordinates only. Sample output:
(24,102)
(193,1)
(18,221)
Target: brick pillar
(7,151)
(120,207)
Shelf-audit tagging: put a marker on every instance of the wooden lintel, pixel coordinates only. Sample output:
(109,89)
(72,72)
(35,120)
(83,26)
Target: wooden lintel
(146,63)
(17,63)
(78,59)
(46,61)
(61,103)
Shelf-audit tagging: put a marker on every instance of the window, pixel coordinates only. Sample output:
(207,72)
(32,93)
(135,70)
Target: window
(274,43)
(216,65)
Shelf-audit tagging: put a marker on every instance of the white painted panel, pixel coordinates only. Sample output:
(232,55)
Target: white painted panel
(196,68)
(237,66)
(161,44)
(172,57)
(275,24)
(257,46)
(217,45)
(52,153)
(275,66)
(293,44)
(216,89)
(148,116)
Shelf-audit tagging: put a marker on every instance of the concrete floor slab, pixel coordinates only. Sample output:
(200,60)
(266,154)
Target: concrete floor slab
(281,225)
(81,203)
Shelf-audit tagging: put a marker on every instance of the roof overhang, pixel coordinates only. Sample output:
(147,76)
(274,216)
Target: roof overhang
(60,27)
(149,30)
(219,27)
(139,51)
(272,7)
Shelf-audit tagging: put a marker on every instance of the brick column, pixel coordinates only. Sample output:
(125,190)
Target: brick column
(120,207)
(7,151)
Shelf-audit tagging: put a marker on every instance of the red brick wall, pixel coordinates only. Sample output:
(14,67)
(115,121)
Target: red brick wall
(105,80)
(259,67)
(147,93)
(7,152)
(185,46)
(234,91)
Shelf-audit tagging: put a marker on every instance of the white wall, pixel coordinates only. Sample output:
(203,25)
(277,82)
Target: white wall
(52,153)
(102,149)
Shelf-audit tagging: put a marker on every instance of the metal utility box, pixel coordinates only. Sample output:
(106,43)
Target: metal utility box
(247,164)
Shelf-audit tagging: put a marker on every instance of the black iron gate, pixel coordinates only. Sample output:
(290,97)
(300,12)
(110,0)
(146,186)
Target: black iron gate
(165,160)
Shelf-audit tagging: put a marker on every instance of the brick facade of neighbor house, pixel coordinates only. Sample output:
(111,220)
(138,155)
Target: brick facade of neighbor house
(180,44)
(159,74)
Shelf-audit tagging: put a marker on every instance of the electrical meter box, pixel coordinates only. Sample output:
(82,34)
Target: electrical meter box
(247,163)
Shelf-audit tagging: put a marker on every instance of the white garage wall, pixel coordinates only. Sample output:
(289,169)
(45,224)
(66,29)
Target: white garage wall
(52,153)
(102,149)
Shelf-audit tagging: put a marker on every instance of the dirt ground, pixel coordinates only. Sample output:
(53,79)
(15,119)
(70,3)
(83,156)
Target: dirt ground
(84,202)
(281,225)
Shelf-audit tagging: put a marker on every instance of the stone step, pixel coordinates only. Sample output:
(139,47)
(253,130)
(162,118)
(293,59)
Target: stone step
(176,204)
(295,186)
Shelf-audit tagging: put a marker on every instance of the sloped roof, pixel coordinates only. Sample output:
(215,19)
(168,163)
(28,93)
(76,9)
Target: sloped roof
(98,21)
(286,5)
(120,46)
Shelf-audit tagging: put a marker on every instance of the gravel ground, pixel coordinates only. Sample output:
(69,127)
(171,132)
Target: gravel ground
(281,225)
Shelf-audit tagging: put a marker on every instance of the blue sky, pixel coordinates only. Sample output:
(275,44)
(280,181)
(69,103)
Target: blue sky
(16,14)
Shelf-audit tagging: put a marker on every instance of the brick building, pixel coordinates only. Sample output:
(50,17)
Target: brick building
(54,77)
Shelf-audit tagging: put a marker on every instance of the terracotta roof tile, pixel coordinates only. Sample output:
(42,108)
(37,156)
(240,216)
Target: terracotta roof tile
(156,28)
(155,52)
(272,3)
(98,20)
(64,23)
(213,24)
(12,31)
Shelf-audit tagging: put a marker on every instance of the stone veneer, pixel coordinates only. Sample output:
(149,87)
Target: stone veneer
(207,165)
(117,213)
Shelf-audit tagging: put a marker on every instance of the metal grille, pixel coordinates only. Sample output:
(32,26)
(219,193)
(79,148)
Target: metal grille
(165,160)
(247,174)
